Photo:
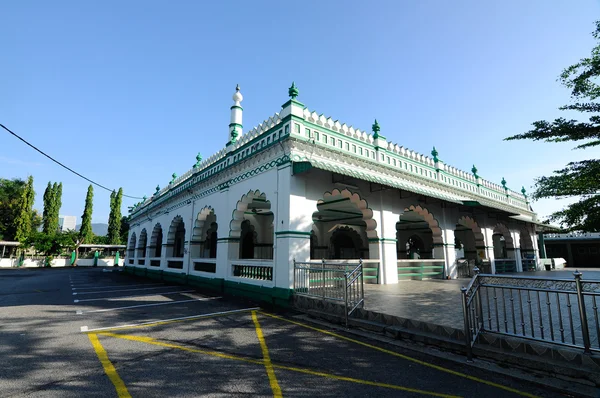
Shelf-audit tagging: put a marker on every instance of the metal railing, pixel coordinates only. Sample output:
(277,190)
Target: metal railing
(534,308)
(331,281)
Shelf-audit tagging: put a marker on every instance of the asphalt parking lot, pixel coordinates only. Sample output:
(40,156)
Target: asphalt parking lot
(99,333)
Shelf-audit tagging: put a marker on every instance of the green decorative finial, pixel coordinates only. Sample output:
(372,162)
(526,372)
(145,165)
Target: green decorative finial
(474,171)
(376,129)
(157,190)
(234,135)
(198,160)
(144,198)
(523,191)
(434,153)
(503,182)
(173,179)
(293,91)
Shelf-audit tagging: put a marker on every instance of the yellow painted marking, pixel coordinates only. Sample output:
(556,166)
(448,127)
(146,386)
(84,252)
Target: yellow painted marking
(149,340)
(145,325)
(437,367)
(266,358)
(109,369)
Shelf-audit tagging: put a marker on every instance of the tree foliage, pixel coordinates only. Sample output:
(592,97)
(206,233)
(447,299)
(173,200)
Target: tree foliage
(114,218)
(582,178)
(47,215)
(52,205)
(11,206)
(85,232)
(23,221)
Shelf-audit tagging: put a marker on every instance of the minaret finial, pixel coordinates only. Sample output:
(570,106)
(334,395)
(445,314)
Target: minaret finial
(435,154)
(235,125)
(503,182)
(293,91)
(376,129)
(474,171)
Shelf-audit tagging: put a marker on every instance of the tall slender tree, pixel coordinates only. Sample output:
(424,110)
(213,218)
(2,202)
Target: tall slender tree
(24,219)
(56,204)
(48,202)
(114,218)
(85,232)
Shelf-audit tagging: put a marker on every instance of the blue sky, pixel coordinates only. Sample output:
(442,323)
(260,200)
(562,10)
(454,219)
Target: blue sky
(127,93)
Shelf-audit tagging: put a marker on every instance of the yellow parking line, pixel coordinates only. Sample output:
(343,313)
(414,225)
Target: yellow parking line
(437,367)
(109,369)
(149,340)
(266,358)
(168,321)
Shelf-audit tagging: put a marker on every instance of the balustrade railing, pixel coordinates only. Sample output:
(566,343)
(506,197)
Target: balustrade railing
(550,310)
(260,271)
(331,281)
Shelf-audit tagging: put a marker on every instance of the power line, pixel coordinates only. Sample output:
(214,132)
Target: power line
(59,163)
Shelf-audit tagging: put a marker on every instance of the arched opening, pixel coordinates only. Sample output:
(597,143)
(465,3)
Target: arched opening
(204,238)
(342,226)
(502,242)
(527,250)
(131,248)
(176,238)
(156,239)
(141,249)
(346,243)
(472,244)
(252,223)
(416,233)
(504,254)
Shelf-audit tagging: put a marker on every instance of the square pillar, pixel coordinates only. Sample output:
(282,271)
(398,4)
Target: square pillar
(449,253)
(489,247)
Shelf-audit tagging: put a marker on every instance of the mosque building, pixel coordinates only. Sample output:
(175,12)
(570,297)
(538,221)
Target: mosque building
(302,186)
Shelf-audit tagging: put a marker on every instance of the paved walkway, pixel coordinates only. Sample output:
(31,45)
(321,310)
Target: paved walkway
(438,301)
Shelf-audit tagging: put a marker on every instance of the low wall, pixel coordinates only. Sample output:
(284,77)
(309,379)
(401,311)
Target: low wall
(59,262)
(273,296)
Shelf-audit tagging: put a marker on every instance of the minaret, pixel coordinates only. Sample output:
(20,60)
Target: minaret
(235,125)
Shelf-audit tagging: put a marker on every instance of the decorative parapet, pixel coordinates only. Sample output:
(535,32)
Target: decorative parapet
(325,131)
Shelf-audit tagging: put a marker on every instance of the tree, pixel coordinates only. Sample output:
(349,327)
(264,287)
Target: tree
(114,218)
(48,201)
(56,205)
(582,178)
(124,229)
(85,232)
(24,218)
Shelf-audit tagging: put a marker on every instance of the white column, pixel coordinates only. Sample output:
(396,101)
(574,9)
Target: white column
(388,257)
(450,253)
(516,237)
(293,225)
(489,246)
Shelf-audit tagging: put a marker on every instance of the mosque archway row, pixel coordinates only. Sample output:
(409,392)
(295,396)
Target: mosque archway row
(344,226)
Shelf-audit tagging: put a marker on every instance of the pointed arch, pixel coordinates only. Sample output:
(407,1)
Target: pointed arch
(142,242)
(156,241)
(199,223)
(433,223)
(360,203)
(176,237)
(131,247)
(242,206)
(346,243)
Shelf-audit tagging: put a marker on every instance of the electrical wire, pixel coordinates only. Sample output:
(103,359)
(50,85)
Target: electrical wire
(59,163)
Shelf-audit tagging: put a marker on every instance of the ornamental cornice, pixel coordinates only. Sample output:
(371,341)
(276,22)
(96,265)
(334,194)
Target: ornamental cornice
(254,165)
(309,151)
